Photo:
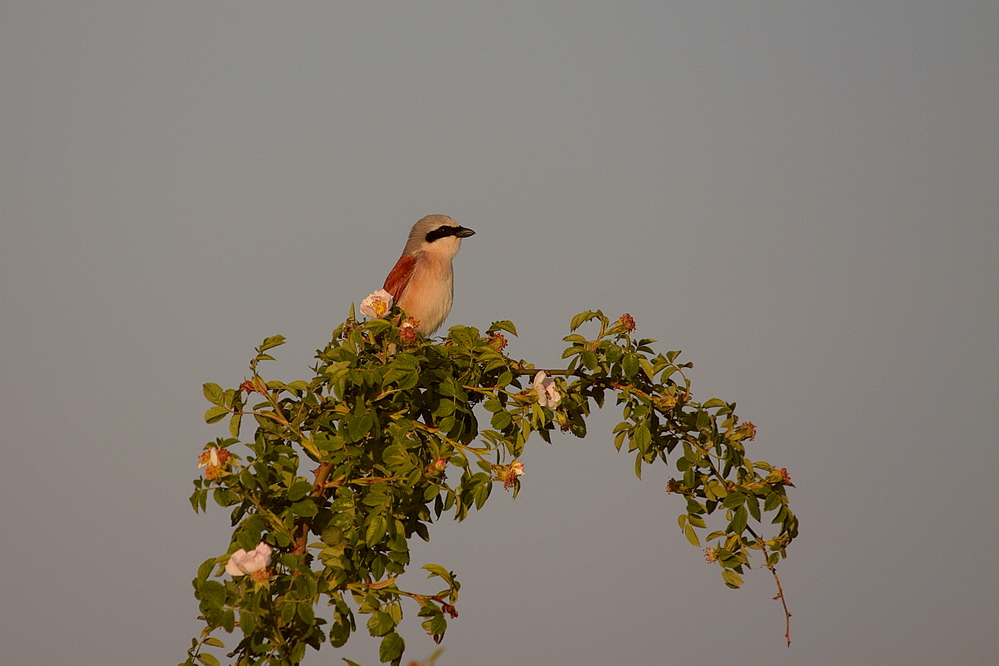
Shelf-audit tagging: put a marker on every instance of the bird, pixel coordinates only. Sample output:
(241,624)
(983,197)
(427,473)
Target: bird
(422,281)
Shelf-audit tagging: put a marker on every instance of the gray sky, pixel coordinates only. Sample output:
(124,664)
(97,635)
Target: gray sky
(802,196)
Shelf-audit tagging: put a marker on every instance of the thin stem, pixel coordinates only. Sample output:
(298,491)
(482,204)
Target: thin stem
(534,371)
(780,592)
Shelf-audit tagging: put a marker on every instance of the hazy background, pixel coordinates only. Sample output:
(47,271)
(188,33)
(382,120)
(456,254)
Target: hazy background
(802,196)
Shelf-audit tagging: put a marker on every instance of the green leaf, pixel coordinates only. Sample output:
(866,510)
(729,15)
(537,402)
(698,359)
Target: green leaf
(213,393)
(359,426)
(397,459)
(733,500)
(208,659)
(642,438)
(271,342)
(688,531)
(212,593)
(306,508)
(582,318)
(501,420)
(630,365)
(732,579)
(753,504)
(215,414)
(492,405)
(438,570)
(205,570)
(391,648)
(234,424)
(380,623)
(436,625)
(376,530)
(713,402)
(738,524)
(299,490)
(504,325)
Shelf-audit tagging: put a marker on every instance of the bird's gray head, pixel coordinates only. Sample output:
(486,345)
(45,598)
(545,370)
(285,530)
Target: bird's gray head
(436,233)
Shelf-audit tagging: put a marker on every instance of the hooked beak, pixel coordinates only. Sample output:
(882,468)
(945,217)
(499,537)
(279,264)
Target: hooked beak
(464,232)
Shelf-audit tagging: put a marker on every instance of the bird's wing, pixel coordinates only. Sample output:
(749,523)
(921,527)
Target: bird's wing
(400,275)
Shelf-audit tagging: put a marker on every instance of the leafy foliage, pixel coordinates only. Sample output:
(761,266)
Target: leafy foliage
(345,468)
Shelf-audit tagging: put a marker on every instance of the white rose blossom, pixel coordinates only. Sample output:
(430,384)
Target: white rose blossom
(377,304)
(242,562)
(548,396)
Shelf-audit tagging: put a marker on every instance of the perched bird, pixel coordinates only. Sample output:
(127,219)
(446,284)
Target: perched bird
(422,281)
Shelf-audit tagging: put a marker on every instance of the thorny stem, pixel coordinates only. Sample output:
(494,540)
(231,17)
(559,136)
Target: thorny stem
(780,592)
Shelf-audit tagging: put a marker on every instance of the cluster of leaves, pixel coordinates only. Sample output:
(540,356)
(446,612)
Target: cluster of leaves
(660,418)
(345,468)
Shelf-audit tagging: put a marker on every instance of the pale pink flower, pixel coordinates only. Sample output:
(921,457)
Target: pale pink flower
(377,304)
(544,385)
(242,562)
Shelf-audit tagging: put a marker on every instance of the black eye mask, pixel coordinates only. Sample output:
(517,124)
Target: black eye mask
(447,230)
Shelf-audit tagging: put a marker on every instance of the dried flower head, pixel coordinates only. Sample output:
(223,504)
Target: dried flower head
(710,554)
(665,402)
(508,473)
(674,486)
(408,331)
(627,322)
(214,461)
(498,340)
(746,431)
